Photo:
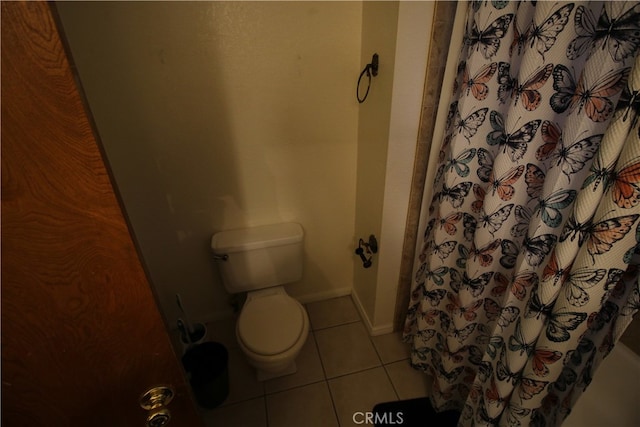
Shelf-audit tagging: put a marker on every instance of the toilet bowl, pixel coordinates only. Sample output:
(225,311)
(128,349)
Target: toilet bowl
(272,326)
(271,330)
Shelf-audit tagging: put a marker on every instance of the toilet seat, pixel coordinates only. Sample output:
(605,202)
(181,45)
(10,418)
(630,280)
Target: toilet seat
(270,325)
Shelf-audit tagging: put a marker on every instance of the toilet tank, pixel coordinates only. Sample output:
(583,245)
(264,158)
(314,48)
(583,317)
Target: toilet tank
(259,257)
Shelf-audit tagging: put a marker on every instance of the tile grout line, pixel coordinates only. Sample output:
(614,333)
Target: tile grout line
(333,402)
(354,372)
(264,395)
(335,410)
(384,366)
(325,379)
(266,411)
(337,326)
(313,332)
(391,382)
(315,342)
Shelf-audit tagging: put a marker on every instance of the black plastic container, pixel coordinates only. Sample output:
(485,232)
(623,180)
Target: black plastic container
(208,368)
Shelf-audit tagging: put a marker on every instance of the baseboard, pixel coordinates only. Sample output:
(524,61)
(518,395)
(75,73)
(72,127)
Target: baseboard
(315,297)
(373,330)
(324,295)
(381,330)
(304,299)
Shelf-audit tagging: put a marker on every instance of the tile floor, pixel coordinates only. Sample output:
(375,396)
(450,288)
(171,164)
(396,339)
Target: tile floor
(341,370)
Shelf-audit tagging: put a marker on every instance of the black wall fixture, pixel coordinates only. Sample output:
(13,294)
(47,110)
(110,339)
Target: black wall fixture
(370,69)
(368,248)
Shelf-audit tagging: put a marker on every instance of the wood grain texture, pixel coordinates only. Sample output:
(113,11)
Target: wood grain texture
(82,337)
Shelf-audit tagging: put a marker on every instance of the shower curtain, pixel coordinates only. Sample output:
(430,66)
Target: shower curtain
(528,272)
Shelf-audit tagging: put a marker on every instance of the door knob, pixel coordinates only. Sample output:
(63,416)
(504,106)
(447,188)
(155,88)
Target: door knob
(155,401)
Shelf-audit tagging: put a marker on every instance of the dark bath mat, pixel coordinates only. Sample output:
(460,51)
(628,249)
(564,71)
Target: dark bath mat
(413,413)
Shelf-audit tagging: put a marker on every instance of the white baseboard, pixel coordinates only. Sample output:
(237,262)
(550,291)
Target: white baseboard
(381,330)
(373,330)
(315,297)
(324,295)
(303,299)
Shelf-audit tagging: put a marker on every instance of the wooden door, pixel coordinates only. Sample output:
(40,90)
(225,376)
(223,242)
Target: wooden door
(82,336)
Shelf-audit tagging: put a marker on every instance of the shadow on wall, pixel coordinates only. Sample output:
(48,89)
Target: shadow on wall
(221,115)
(311,269)
(155,86)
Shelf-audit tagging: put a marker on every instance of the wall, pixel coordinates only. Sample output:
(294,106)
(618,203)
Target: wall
(218,115)
(631,336)
(414,39)
(388,132)
(379,28)
(446,35)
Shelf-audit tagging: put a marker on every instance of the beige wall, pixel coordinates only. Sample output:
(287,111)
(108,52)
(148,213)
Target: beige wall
(413,44)
(379,27)
(229,114)
(387,136)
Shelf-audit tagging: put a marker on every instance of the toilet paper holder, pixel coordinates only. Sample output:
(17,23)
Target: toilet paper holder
(370,247)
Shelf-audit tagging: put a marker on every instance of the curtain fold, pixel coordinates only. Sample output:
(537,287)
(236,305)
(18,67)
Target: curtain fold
(528,272)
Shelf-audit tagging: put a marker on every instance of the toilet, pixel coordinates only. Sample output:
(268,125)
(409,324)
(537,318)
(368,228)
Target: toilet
(272,326)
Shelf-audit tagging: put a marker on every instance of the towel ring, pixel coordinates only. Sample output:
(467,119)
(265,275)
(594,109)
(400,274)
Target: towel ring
(369,70)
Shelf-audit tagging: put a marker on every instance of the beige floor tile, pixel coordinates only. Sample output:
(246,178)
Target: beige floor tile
(308,406)
(346,349)
(409,383)
(332,312)
(250,413)
(390,347)
(360,392)
(243,383)
(309,369)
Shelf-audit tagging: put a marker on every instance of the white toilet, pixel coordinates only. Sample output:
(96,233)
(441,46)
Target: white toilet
(272,326)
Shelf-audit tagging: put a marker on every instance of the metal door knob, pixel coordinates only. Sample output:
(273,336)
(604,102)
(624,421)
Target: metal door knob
(158,417)
(154,401)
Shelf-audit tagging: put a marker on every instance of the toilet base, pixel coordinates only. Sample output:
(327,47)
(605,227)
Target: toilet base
(267,375)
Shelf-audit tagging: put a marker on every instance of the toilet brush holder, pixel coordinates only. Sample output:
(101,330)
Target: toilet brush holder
(198,334)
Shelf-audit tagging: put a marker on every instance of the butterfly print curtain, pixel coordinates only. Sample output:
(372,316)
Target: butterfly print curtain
(528,271)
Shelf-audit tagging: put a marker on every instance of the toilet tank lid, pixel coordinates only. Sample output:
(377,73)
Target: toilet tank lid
(246,239)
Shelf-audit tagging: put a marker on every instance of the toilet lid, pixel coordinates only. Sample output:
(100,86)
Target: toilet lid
(271,324)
